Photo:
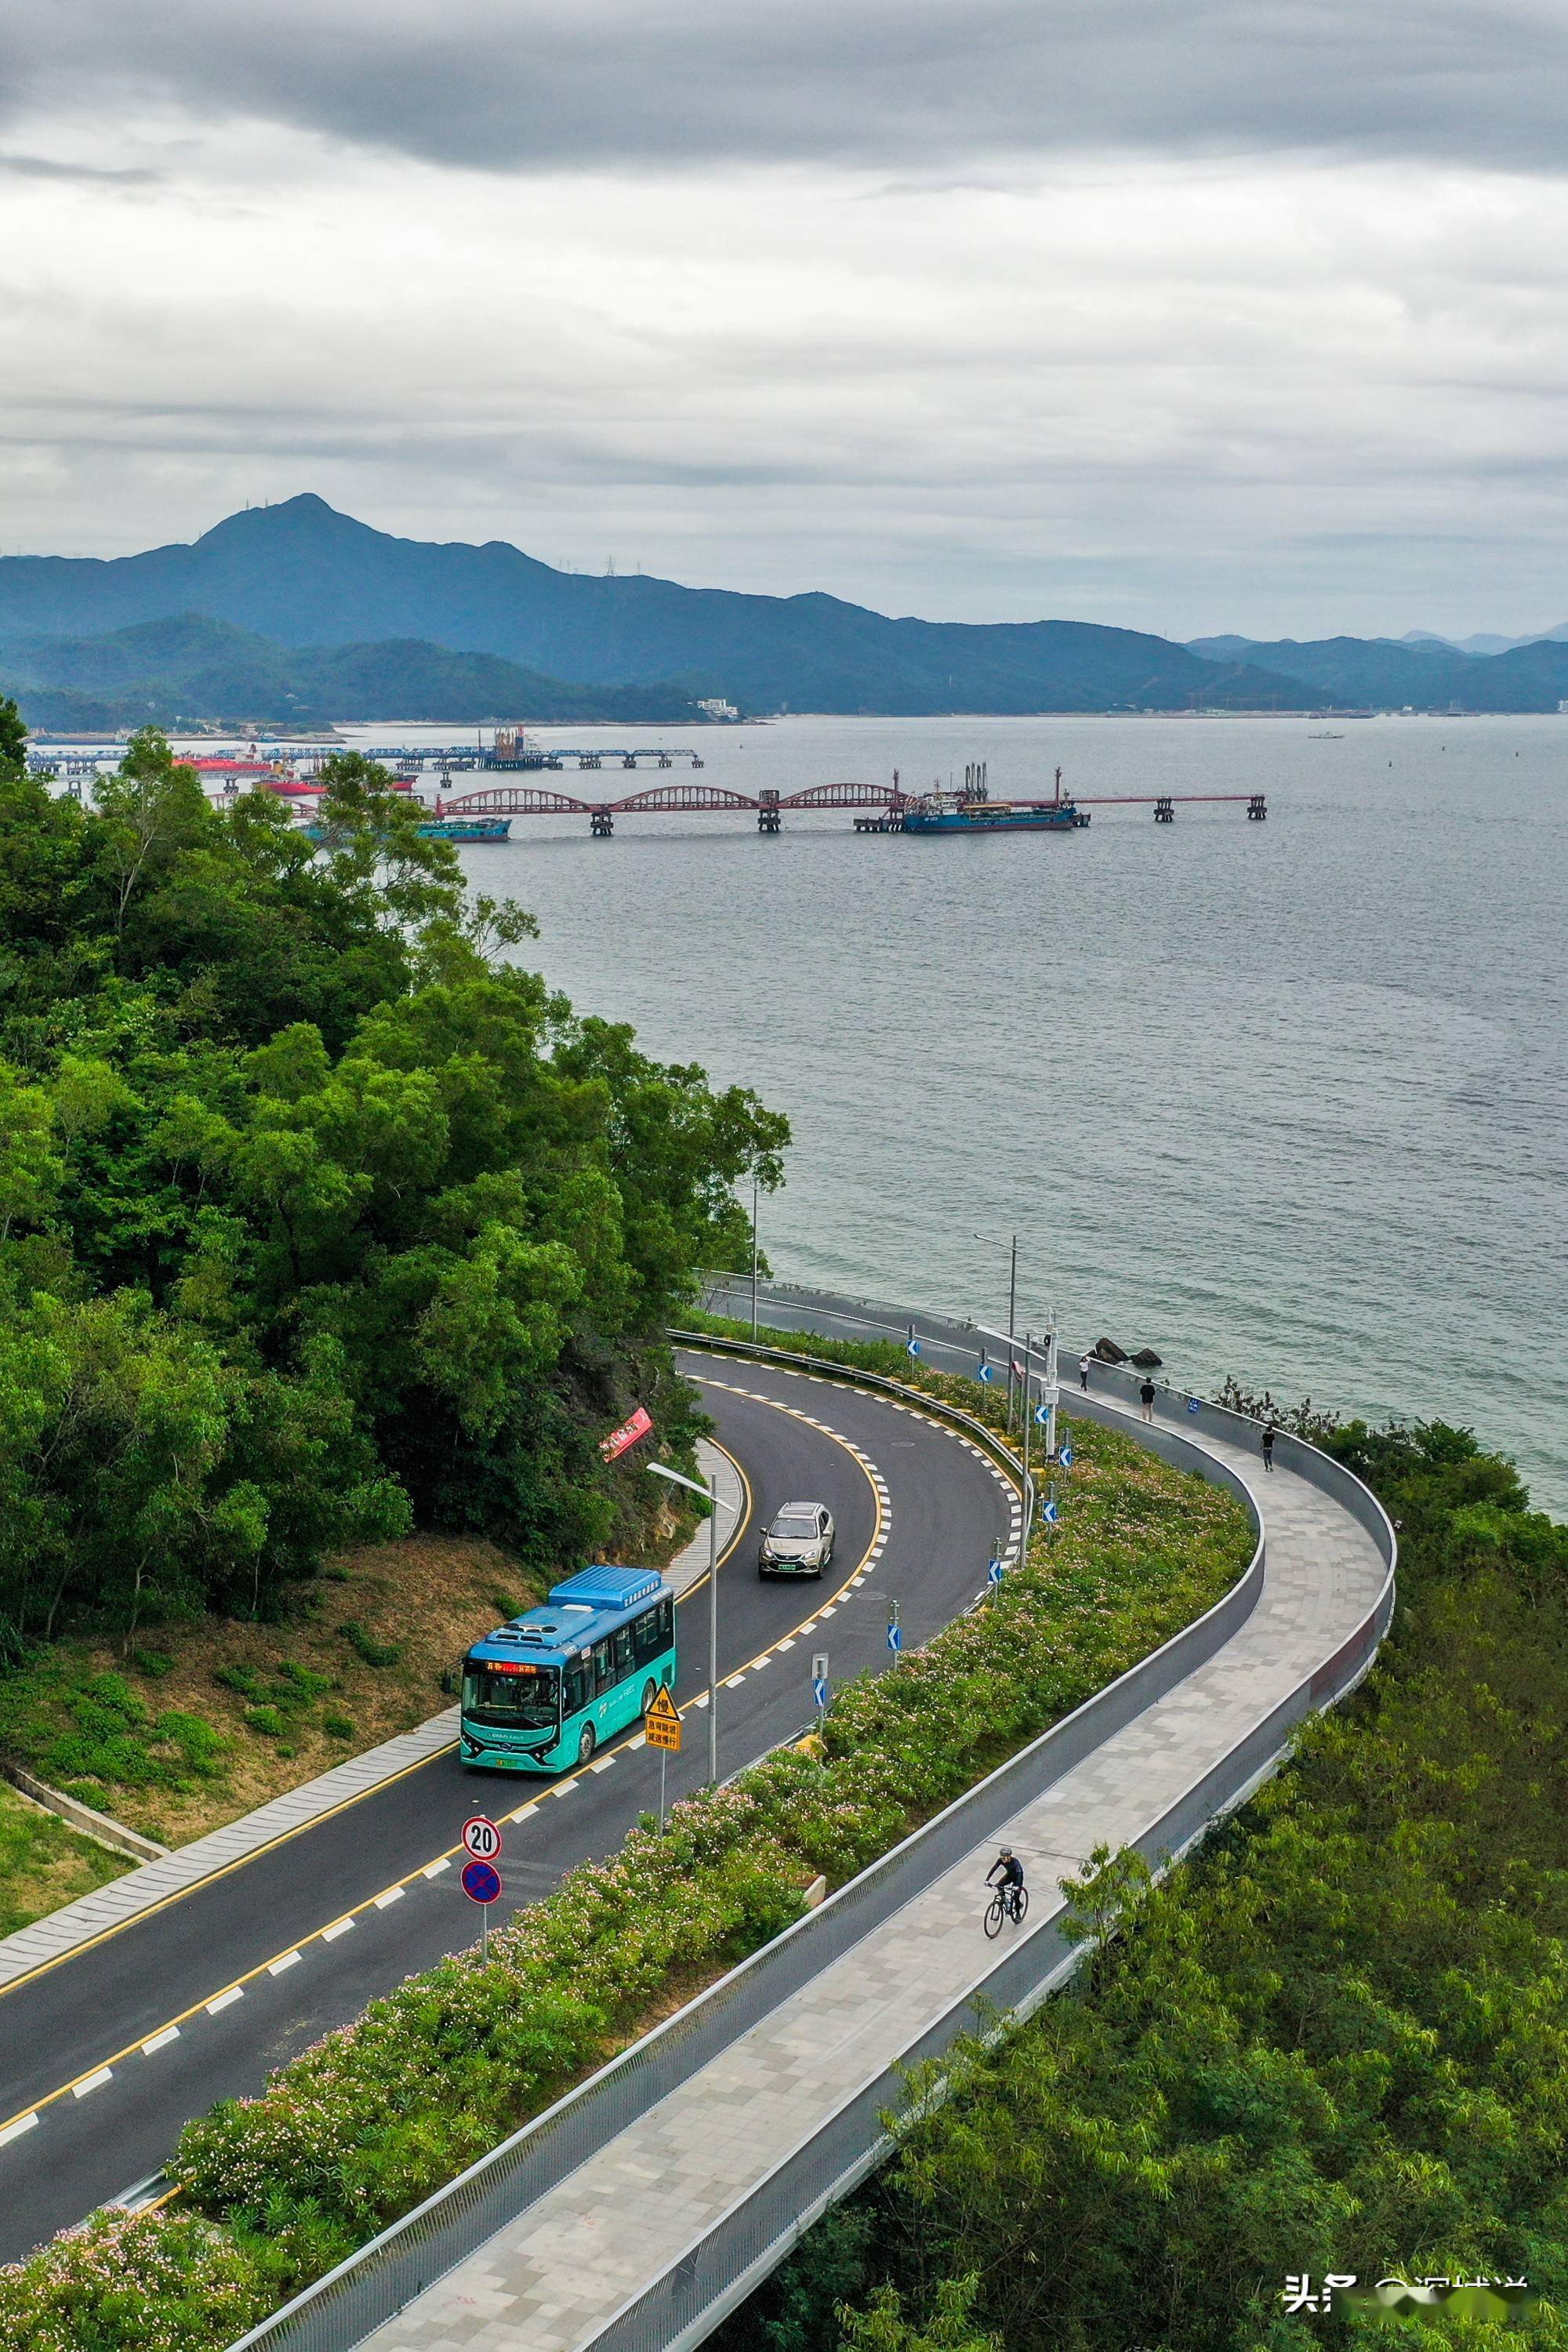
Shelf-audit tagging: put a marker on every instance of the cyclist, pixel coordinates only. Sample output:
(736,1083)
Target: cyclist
(1006,1874)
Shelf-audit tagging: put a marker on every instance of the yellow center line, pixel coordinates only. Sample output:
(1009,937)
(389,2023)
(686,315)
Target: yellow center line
(335,1928)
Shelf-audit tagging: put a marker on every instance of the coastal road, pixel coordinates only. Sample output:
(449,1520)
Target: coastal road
(115,2046)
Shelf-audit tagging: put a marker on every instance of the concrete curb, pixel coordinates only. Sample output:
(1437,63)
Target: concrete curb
(101,1826)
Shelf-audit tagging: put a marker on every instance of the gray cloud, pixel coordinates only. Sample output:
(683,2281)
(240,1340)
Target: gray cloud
(916,86)
(41,167)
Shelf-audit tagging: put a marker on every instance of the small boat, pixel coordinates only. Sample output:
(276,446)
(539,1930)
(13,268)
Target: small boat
(466,828)
(437,828)
(1327,737)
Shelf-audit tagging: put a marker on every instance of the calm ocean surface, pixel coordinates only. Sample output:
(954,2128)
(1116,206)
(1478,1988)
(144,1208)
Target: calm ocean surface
(1287,1101)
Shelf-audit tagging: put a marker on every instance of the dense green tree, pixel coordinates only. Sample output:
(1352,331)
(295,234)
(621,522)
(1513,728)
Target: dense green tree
(1336,2043)
(315,1211)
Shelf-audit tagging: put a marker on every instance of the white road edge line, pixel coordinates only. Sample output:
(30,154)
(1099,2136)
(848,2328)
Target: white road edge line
(224,2000)
(160,2041)
(339,1928)
(284,1960)
(13,2131)
(93,2082)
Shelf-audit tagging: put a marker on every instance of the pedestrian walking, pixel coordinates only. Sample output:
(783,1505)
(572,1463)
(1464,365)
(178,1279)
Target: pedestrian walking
(1269,1434)
(1146,1398)
(1083,1373)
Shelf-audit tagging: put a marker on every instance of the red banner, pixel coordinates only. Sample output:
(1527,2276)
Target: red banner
(620,1440)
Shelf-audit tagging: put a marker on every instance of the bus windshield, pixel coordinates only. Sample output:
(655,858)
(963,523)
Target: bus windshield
(507,1698)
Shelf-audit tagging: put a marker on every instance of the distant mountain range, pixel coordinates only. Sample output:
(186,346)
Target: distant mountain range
(191,669)
(1420,673)
(296,612)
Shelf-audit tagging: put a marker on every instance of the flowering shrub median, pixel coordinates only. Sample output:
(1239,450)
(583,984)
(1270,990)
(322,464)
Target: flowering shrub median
(379,2114)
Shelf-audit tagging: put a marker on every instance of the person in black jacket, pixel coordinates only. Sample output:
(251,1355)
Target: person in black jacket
(1006,1874)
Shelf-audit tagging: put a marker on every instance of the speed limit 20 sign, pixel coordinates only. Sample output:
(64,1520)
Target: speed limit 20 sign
(481,1838)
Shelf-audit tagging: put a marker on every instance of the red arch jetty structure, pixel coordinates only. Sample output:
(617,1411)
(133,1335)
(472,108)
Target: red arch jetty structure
(889,802)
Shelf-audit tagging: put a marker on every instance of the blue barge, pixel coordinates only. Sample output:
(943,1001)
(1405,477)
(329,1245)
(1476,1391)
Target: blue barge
(958,813)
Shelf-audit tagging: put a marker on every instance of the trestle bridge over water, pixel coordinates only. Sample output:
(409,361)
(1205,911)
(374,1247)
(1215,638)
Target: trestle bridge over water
(887,804)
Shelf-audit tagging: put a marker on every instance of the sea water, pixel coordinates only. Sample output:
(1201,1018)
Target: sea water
(1287,1101)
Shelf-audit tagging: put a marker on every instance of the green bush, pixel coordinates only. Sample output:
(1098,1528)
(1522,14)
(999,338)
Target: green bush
(338,1726)
(381,2113)
(266,1720)
(1336,2043)
(365,1646)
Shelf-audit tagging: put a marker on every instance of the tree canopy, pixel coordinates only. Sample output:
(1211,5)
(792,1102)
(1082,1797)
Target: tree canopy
(319,1215)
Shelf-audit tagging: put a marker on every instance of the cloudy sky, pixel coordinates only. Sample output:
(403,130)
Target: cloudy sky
(1246,315)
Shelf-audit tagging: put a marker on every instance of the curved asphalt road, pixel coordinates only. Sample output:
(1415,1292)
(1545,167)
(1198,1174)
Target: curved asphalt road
(917,1512)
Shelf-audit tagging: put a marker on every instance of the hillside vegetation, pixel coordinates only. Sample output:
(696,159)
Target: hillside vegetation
(1335,2044)
(362,2126)
(187,668)
(305,575)
(318,1221)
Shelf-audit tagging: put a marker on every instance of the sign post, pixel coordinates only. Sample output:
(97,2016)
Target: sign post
(895,1631)
(819,1690)
(481,1884)
(661,1726)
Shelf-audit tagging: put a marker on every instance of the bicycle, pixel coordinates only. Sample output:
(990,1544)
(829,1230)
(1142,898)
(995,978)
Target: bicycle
(1007,1903)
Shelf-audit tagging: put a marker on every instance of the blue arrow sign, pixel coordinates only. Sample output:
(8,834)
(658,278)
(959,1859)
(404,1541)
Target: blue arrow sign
(819,1691)
(986,1372)
(1043,1415)
(482,1882)
(1064,1454)
(994,1573)
(1195,1405)
(912,1347)
(895,1639)
(1050,1514)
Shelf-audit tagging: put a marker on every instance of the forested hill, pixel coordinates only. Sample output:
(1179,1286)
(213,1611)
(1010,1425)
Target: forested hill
(160,673)
(302,574)
(317,1217)
(1374,672)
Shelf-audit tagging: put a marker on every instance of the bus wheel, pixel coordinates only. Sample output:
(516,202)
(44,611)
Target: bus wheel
(586,1745)
(651,1691)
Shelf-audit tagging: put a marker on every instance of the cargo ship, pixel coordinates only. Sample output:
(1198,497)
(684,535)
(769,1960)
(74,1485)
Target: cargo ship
(951,813)
(973,810)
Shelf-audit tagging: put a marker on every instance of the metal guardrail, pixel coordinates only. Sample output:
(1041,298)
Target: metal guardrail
(703,2280)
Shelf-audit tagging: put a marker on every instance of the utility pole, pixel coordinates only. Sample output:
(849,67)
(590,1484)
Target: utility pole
(753,1256)
(710,1493)
(1012,1326)
(1029,1431)
(1051,1391)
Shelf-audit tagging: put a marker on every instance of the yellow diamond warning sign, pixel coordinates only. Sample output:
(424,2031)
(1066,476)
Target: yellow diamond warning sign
(662,1724)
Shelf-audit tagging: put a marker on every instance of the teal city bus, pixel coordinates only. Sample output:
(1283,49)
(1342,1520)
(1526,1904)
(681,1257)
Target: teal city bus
(553,1684)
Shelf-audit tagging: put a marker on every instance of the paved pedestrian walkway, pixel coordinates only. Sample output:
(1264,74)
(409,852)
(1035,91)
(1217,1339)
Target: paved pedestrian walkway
(714,1465)
(551,2280)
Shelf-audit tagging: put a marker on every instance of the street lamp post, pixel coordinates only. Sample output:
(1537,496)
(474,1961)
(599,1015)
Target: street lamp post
(711,1493)
(753,1260)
